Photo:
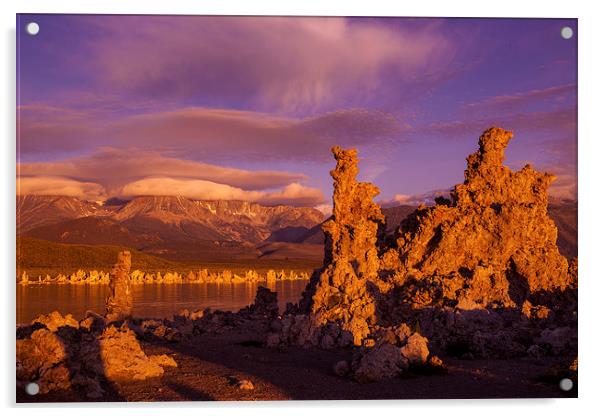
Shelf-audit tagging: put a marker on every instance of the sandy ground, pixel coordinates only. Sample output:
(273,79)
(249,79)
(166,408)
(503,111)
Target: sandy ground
(207,365)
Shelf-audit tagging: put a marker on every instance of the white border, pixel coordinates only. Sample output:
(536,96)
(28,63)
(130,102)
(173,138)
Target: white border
(590,93)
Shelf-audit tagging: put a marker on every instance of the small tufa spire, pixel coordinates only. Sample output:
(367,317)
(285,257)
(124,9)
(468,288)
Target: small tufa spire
(119,302)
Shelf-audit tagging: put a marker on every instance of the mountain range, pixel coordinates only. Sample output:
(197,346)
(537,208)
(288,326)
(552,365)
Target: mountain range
(178,228)
(168,226)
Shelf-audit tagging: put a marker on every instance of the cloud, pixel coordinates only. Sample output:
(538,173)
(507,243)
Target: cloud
(293,194)
(50,185)
(427,198)
(289,63)
(325,209)
(565,186)
(226,134)
(132,172)
(565,183)
(560,122)
(562,150)
(560,94)
(113,168)
(561,161)
(209,133)
(44,128)
(191,188)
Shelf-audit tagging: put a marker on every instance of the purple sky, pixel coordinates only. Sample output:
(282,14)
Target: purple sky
(248,107)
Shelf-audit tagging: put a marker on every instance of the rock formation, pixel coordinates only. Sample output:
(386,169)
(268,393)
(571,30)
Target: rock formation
(119,301)
(265,305)
(380,362)
(58,354)
(54,320)
(480,273)
(492,245)
(137,277)
(339,292)
(122,357)
(390,352)
(41,359)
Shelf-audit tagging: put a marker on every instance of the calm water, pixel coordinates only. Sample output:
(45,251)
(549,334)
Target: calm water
(150,300)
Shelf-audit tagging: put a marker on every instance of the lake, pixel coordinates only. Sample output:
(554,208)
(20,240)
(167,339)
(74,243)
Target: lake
(150,300)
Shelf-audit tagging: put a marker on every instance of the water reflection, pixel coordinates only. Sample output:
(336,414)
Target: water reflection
(150,300)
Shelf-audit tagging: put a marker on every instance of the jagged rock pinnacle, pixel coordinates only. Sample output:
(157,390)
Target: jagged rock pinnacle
(493,245)
(351,258)
(496,234)
(488,181)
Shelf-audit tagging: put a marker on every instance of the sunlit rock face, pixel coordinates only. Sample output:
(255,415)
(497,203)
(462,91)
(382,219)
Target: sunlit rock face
(120,302)
(58,353)
(122,356)
(350,255)
(492,245)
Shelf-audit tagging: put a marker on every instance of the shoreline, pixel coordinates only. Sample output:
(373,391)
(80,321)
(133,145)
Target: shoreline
(95,277)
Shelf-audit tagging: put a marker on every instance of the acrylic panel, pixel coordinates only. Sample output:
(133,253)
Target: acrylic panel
(292,208)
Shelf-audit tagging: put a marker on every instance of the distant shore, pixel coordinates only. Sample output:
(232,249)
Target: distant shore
(95,277)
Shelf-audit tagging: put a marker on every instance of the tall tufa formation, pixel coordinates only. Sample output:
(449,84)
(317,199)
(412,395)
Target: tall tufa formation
(477,275)
(492,248)
(119,302)
(350,255)
(492,245)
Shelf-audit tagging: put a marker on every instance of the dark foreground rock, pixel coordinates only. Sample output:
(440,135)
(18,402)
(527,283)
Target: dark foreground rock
(82,357)
(209,363)
(59,353)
